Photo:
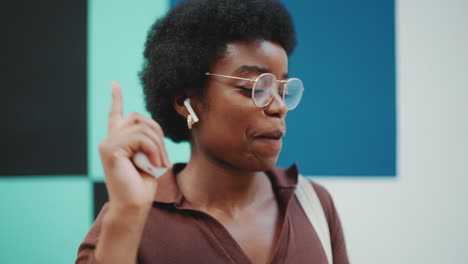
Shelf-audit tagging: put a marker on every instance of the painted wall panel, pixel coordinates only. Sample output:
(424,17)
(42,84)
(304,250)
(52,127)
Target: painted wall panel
(346,122)
(43,88)
(116,38)
(44,218)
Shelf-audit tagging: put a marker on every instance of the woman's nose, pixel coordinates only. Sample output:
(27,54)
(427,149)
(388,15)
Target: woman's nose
(276,107)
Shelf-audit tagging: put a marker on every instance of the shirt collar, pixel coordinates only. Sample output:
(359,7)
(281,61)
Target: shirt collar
(169,192)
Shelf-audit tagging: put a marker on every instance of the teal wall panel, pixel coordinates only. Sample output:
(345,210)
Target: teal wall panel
(116,36)
(43,219)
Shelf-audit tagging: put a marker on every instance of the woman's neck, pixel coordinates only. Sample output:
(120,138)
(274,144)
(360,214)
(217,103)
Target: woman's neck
(208,184)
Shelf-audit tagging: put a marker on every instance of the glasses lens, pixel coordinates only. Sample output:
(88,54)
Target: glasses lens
(263,89)
(293,93)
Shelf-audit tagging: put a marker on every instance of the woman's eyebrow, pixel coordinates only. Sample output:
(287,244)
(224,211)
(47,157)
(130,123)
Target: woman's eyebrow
(256,68)
(251,68)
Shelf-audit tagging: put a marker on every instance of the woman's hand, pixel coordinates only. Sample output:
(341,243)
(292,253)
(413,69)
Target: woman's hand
(131,191)
(128,187)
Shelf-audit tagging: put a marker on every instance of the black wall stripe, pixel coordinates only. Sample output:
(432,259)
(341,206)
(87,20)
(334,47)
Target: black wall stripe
(100,197)
(44,88)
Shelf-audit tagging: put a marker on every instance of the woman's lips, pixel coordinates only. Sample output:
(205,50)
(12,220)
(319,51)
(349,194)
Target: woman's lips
(275,134)
(271,138)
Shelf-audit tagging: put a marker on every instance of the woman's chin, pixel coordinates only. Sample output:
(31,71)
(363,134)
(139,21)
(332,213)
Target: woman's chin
(263,163)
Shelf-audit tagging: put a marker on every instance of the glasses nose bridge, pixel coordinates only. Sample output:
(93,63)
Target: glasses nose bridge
(275,93)
(278,83)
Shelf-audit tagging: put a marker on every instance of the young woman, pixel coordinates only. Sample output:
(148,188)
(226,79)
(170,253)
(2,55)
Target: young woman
(228,204)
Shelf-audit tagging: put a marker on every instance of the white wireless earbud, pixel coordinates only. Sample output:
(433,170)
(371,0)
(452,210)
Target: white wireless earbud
(190,109)
(142,162)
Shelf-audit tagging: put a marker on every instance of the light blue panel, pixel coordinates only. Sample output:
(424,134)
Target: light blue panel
(43,219)
(116,36)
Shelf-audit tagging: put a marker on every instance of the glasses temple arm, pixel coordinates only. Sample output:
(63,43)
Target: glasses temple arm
(227,76)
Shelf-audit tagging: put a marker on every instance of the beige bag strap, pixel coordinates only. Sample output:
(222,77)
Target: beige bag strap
(312,207)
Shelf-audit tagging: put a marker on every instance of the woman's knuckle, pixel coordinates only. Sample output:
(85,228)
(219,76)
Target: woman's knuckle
(134,117)
(142,128)
(156,124)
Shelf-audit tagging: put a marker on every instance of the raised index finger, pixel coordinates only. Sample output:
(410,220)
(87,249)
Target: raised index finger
(115,113)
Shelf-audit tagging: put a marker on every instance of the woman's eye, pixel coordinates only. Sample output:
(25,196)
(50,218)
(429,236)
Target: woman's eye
(248,90)
(244,89)
(259,91)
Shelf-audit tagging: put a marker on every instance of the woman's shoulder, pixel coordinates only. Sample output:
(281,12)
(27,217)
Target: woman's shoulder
(334,223)
(323,194)
(326,200)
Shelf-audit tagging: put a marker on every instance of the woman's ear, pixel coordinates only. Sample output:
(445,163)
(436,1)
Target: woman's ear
(179,105)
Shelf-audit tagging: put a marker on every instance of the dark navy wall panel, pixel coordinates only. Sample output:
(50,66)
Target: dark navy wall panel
(346,123)
(43,88)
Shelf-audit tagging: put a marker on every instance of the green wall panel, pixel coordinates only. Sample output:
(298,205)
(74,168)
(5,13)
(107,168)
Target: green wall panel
(44,219)
(116,35)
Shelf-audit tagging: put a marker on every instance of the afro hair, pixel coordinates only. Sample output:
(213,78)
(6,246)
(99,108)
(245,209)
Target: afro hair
(183,45)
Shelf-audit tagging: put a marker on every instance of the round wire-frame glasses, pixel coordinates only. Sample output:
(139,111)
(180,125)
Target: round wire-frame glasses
(291,93)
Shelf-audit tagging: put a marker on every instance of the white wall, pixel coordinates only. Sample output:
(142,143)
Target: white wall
(421,216)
